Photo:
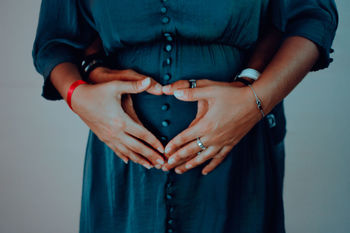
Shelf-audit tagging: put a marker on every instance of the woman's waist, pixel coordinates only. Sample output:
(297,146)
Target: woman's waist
(170,61)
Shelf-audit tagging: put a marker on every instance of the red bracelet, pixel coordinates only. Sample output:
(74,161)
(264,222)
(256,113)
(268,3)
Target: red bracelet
(71,89)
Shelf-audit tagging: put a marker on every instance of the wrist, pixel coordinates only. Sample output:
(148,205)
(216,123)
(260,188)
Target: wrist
(249,88)
(252,109)
(90,63)
(249,74)
(73,88)
(264,91)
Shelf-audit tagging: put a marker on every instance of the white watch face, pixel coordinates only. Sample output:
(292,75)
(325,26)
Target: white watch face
(249,73)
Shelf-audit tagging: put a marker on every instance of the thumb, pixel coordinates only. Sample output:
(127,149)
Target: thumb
(193,94)
(136,86)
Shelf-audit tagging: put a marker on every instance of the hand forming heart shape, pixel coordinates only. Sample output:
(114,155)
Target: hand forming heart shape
(219,126)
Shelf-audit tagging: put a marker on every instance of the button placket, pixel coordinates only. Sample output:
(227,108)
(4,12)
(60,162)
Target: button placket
(166,64)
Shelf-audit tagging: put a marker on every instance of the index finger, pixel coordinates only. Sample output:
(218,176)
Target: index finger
(144,134)
(184,137)
(131,75)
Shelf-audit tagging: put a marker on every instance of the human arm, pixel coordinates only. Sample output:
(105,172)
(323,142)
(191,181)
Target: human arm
(221,128)
(104,74)
(62,36)
(99,106)
(301,51)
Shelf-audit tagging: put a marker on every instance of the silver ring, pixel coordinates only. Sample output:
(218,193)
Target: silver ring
(200,144)
(193,83)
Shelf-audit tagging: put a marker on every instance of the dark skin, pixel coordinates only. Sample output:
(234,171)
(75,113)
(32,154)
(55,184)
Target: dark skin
(220,128)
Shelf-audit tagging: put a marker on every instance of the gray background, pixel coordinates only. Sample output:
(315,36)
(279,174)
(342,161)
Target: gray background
(41,165)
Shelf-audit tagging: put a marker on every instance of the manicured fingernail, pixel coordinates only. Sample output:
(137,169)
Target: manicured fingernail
(125,161)
(198,159)
(166,88)
(188,166)
(161,150)
(158,166)
(158,87)
(171,160)
(178,93)
(164,169)
(147,166)
(204,173)
(146,81)
(178,171)
(167,150)
(160,161)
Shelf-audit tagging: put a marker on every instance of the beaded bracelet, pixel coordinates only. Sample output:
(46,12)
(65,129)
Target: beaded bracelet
(257,100)
(91,62)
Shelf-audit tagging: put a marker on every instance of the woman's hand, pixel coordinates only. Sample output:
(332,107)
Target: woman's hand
(100,107)
(226,113)
(103,74)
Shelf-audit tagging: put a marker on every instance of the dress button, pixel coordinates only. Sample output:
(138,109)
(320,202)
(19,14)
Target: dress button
(165,19)
(171,209)
(271,120)
(170,230)
(163,138)
(167,35)
(165,107)
(170,221)
(168,61)
(169,184)
(167,77)
(163,9)
(165,123)
(164,0)
(168,196)
(168,47)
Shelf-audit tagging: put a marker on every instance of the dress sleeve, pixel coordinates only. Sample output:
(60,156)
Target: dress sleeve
(62,35)
(316,20)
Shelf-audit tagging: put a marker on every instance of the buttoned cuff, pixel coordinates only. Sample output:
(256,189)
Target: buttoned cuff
(320,32)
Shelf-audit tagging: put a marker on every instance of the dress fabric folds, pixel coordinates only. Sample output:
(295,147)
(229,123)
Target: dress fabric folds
(174,40)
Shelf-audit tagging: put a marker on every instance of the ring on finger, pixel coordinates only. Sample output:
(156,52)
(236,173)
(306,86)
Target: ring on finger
(200,144)
(193,83)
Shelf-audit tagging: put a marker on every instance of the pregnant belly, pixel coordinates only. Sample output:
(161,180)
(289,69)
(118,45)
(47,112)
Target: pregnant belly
(165,116)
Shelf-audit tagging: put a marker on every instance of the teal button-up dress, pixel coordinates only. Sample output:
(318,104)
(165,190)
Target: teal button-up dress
(171,40)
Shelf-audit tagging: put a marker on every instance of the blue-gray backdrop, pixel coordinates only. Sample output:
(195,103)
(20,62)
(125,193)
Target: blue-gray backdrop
(41,165)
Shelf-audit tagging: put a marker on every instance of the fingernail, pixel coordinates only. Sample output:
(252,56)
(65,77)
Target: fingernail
(178,93)
(171,160)
(125,161)
(204,173)
(198,159)
(160,161)
(167,150)
(161,150)
(166,88)
(178,171)
(164,169)
(158,87)
(146,81)
(188,166)
(147,166)
(158,166)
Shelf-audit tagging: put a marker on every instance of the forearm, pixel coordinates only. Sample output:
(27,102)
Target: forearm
(266,47)
(63,75)
(291,63)
(95,47)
